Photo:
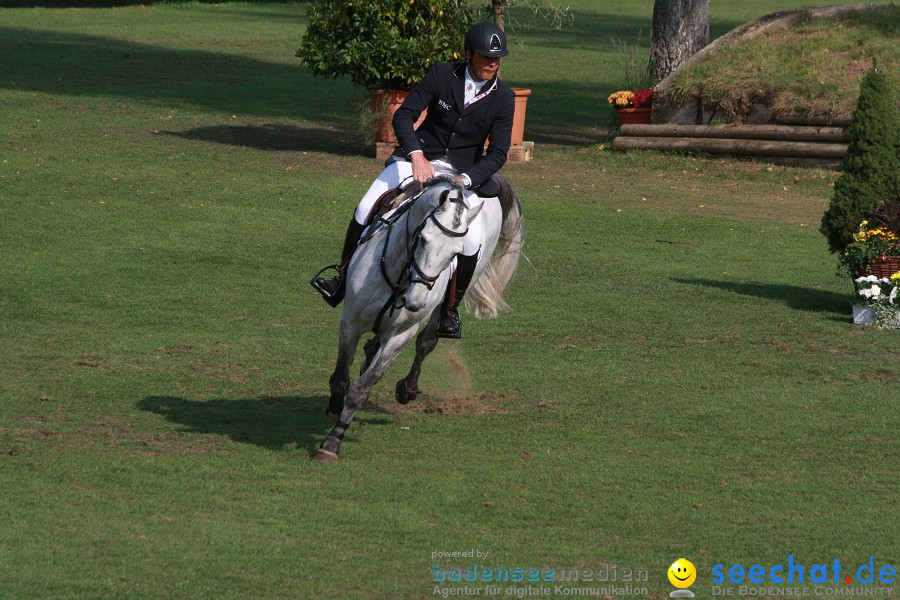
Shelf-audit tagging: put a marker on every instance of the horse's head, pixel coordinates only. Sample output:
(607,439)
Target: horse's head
(438,239)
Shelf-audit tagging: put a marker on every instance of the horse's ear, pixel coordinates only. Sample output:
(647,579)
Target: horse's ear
(474,212)
(443,199)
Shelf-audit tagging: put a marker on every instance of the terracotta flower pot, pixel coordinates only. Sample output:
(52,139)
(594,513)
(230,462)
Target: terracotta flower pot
(518,128)
(634,116)
(385,103)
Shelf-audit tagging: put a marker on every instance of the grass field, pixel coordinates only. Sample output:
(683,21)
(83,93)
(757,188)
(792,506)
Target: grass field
(679,376)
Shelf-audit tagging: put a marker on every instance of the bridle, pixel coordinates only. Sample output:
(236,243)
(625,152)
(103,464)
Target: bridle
(411,273)
(411,263)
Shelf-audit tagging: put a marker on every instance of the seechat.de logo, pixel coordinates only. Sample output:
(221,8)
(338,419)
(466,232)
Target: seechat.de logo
(799,573)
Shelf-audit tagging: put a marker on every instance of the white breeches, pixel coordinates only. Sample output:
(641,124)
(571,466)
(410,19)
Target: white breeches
(395,173)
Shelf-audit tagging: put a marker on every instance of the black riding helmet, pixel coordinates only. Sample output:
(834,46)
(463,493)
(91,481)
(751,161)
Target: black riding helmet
(486,39)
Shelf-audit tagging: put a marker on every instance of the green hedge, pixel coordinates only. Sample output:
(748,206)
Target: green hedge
(383,43)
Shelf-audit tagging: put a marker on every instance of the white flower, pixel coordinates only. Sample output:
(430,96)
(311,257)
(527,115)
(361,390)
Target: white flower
(867,279)
(872,292)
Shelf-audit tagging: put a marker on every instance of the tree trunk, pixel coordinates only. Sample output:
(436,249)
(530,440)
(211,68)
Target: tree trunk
(498,7)
(680,28)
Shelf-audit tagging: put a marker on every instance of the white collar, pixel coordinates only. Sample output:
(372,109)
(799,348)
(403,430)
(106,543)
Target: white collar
(472,89)
(478,84)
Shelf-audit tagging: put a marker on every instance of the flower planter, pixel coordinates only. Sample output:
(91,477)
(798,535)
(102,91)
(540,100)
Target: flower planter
(385,103)
(634,116)
(518,128)
(885,266)
(865,315)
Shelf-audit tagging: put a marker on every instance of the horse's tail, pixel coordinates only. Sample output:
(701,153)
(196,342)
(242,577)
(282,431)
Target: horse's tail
(485,298)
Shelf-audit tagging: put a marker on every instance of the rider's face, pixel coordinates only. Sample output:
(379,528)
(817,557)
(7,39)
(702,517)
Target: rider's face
(483,67)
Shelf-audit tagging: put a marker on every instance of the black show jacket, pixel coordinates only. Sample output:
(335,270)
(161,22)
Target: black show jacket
(453,131)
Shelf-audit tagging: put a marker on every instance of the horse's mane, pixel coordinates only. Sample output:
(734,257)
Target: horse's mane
(453,180)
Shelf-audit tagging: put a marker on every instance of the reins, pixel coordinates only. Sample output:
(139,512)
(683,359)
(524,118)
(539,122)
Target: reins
(407,270)
(426,280)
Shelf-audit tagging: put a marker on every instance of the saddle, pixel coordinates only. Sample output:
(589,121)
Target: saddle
(392,199)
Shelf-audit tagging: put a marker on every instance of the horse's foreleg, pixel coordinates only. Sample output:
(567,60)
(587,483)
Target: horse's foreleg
(370,348)
(358,394)
(339,383)
(408,388)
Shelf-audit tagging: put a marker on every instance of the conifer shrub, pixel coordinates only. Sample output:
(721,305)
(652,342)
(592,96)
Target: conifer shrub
(872,165)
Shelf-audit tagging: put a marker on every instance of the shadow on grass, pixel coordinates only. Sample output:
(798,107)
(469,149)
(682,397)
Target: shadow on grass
(269,422)
(796,297)
(110,3)
(290,138)
(81,64)
(78,64)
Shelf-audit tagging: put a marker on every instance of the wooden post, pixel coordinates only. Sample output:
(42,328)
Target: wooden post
(732,146)
(790,133)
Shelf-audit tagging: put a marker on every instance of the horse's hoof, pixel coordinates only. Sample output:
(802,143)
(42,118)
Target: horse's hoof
(324,456)
(403,394)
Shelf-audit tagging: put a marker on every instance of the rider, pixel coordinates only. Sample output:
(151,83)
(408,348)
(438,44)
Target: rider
(467,105)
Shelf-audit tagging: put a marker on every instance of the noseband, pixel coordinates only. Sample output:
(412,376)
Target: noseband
(412,265)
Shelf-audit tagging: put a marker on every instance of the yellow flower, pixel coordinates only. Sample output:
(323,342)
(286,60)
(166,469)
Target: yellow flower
(895,278)
(622,98)
(882,233)
(877,233)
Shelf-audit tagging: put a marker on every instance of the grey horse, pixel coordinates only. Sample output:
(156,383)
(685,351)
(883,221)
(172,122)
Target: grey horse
(396,282)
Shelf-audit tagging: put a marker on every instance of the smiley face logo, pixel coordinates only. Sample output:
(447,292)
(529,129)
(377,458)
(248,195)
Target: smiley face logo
(682,573)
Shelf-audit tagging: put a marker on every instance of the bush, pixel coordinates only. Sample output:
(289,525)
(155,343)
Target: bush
(872,165)
(383,43)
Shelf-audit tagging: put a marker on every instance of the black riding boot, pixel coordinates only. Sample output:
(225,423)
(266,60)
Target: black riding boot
(451,323)
(333,289)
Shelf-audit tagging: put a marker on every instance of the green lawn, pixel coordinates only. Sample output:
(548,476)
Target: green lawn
(679,376)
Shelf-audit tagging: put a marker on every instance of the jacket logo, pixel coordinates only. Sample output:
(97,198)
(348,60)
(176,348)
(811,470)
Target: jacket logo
(444,105)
